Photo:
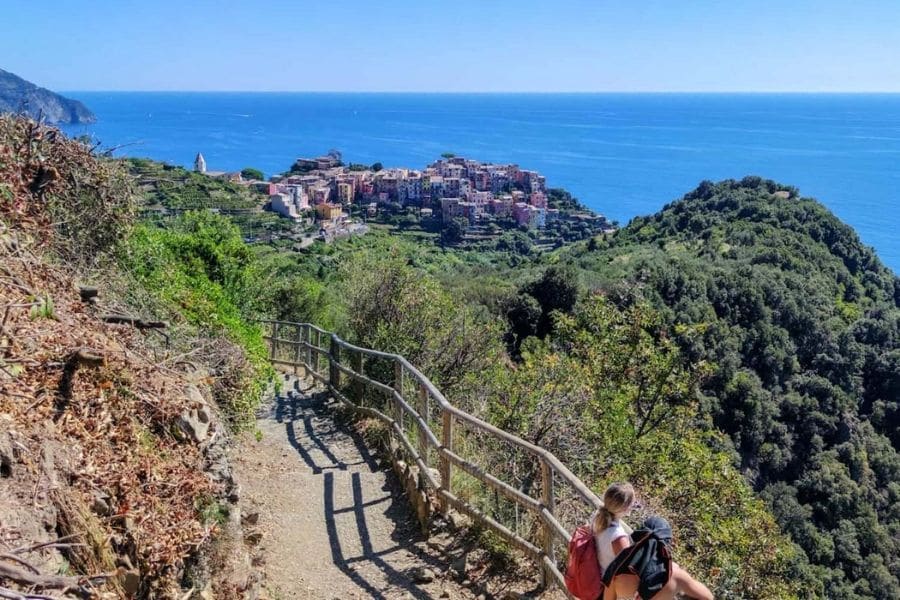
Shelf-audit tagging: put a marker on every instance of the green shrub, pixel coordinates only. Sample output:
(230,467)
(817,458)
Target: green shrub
(200,270)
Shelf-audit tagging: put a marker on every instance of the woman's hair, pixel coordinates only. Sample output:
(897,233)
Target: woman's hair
(616,499)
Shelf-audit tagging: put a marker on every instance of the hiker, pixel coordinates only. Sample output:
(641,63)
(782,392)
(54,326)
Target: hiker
(647,568)
(594,545)
(610,535)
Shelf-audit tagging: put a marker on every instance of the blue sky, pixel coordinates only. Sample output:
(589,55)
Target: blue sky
(457,45)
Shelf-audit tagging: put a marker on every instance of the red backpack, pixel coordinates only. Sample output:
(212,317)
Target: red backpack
(583,577)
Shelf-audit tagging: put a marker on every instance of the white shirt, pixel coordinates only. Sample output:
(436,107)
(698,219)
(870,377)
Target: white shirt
(604,541)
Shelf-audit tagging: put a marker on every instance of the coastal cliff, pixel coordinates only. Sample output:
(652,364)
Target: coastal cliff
(20,96)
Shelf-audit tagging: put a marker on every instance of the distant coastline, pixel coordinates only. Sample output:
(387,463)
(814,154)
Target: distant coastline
(620,154)
(20,96)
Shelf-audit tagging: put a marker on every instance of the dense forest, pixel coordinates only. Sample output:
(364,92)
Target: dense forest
(800,323)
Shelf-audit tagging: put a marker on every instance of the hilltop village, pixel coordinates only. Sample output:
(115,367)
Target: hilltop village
(451,193)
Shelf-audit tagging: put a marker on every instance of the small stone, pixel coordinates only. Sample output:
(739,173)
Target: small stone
(420,575)
(100,504)
(253,538)
(435,475)
(459,521)
(250,518)
(458,566)
(195,423)
(445,593)
(194,395)
(131,581)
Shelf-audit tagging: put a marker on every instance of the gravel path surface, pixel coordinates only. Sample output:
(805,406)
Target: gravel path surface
(334,522)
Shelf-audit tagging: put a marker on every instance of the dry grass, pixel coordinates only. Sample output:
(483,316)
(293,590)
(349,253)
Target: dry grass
(113,416)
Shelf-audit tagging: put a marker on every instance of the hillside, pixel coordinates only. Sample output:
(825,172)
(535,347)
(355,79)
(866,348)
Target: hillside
(20,96)
(801,324)
(449,311)
(740,344)
(794,319)
(116,406)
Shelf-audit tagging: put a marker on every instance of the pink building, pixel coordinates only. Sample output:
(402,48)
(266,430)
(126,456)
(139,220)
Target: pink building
(538,199)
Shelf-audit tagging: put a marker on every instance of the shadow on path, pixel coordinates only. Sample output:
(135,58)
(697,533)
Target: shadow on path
(328,448)
(321,443)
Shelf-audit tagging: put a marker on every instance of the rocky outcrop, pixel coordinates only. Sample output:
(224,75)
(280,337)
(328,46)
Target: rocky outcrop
(20,96)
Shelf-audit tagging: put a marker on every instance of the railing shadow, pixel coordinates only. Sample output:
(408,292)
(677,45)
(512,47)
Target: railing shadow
(313,432)
(357,366)
(303,413)
(405,537)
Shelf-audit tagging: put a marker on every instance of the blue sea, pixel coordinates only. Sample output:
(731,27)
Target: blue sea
(621,154)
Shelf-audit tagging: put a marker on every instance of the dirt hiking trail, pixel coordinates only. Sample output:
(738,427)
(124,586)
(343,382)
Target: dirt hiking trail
(334,523)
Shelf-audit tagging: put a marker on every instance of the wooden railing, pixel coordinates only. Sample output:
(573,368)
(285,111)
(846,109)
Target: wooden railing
(305,345)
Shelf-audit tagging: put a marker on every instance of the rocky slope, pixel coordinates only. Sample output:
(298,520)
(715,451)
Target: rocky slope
(20,96)
(114,480)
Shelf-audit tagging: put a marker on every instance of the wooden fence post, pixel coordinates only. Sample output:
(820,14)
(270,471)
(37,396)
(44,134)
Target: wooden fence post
(274,340)
(315,353)
(447,443)
(358,385)
(308,353)
(398,385)
(422,409)
(334,358)
(549,501)
(297,362)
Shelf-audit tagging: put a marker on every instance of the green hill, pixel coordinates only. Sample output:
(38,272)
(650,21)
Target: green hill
(802,325)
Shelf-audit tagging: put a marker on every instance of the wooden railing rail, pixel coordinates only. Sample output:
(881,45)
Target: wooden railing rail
(306,349)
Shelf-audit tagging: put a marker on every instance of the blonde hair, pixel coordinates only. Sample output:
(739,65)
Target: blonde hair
(616,500)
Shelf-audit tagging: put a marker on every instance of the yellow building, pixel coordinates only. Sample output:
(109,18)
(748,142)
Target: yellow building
(328,212)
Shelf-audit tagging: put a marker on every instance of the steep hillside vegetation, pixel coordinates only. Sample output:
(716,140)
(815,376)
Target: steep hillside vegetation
(112,439)
(801,326)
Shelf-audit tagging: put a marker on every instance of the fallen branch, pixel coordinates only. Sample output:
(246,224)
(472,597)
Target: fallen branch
(20,561)
(75,585)
(13,595)
(57,543)
(79,358)
(134,321)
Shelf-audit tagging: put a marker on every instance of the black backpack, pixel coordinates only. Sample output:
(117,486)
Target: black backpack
(648,557)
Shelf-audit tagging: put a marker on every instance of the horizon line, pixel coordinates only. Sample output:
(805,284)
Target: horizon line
(499,92)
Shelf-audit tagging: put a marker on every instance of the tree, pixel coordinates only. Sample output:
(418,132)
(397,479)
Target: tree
(377,166)
(453,231)
(396,308)
(448,155)
(801,322)
(252,174)
(523,313)
(515,242)
(556,291)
